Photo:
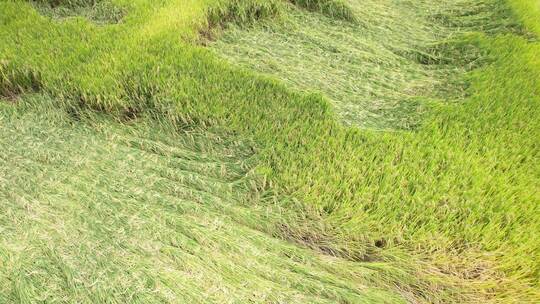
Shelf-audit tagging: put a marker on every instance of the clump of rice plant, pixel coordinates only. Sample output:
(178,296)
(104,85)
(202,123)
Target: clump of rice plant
(338,9)
(68,3)
(101,11)
(241,11)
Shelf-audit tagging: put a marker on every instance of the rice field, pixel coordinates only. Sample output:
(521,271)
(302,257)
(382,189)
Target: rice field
(100,211)
(249,151)
(373,83)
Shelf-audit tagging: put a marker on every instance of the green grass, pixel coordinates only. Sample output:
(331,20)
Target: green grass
(447,212)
